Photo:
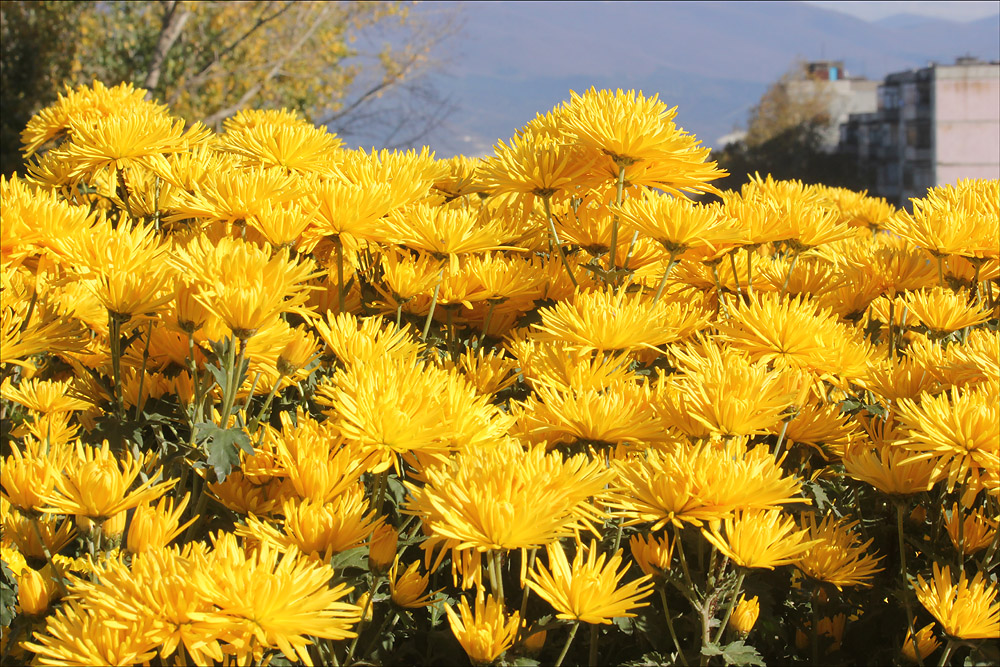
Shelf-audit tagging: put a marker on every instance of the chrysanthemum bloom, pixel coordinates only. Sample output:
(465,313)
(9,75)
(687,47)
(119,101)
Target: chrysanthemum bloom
(760,539)
(29,476)
(588,590)
(96,485)
(745,615)
(301,148)
(242,284)
(36,589)
(346,212)
(20,531)
(42,396)
(796,333)
(833,628)
(678,224)
(487,633)
(952,220)
(506,497)
(408,589)
(382,548)
(977,531)
(399,405)
(155,527)
(692,484)
(620,413)
(446,232)
(942,311)
(966,609)
(48,332)
(322,530)
(631,128)
(927,643)
(729,394)
(77,634)
(603,320)
(837,557)
(316,460)
(280,600)
(652,555)
(960,429)
(355,340)
(888,467)
(157,586)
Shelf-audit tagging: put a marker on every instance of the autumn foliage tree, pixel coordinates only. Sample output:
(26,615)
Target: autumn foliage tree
(330,61)
(787,135)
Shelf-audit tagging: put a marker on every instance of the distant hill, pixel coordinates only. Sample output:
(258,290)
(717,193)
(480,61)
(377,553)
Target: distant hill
(711,59)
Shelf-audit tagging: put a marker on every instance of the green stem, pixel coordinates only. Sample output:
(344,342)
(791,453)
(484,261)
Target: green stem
(814,630)
(784,287)
(750,271)
(115,339)
(730,606)
(555,239)
(255,422)
(892,333)
(379,490)
(430,313)
(595,631)
(234,378)
(736,277)
(372,590)
(683,558)
(947,653)
(781,437)
(940,267)
(340,274)
(525,593)
(391,614)
(719,303)
(906,582)
(631,249)
(565,648)
(614,220)
(670,626)
(666,274)
(48,557)
(489,317)
(142,373)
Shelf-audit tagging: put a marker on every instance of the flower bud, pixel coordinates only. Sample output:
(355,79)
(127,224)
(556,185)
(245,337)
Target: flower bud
(745,615)
(35,590)
(382,548)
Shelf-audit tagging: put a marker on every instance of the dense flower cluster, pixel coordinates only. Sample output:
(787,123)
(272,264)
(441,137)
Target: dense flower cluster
(252,377)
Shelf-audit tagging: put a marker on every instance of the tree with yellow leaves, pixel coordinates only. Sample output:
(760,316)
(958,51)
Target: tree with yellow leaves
(208,60)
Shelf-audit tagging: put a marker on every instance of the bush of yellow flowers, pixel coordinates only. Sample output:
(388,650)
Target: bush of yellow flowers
(270,401)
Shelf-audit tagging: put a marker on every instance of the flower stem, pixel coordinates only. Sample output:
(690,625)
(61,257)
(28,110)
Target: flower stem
(749,271)
(947,653)
(666,274)
(255,422)
(565,648)
(729,607)
(555,240)
(736,277)
(595,634)
(142,374)
(373,589)
(340,274)
(614,221)
(430,313)
(378,492)
(784,287)
(48,556)
(670,626)
(906,582)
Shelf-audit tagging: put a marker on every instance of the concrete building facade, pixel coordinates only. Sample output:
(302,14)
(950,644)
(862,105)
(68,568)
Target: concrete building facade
(933,126)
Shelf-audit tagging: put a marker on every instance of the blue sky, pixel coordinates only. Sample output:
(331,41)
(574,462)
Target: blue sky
(953,10)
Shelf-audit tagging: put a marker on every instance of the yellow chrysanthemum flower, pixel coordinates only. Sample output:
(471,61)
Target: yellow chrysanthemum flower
(744,615)
(760,539)
(961,429)
(485,634)
(96,485)
(837,557)
(588,590)
(977,531)
(965,609)
(280,600)
(77,634)
(408,589)
(926,642)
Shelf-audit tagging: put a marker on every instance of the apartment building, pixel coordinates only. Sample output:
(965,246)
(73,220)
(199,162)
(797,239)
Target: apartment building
(933,126)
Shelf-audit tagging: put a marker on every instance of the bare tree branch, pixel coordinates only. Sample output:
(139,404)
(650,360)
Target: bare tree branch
(173,25)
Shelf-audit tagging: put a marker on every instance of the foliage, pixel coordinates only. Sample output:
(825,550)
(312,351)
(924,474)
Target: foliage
(329,61)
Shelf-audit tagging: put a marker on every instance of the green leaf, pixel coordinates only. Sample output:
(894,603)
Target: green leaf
(8,594)
(222,447)
(736,653)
